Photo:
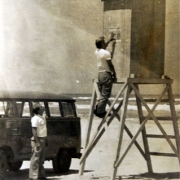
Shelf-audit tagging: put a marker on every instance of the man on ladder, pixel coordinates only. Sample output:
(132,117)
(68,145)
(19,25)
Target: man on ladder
(106,75)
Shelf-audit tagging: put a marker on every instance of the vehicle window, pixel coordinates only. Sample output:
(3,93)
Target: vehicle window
(25,109)
(68,109)
(6,109)
(43,104)
(3,107)
(19,106)
(54,109)
(9,110)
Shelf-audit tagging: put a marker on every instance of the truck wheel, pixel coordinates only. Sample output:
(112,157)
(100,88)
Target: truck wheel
(62,162)
(3,163)
(15,166)
(55,164)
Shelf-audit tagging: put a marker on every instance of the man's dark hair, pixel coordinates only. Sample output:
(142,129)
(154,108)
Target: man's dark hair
(98,44)
(36,108)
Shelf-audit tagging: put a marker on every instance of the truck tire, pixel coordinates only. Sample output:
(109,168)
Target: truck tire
(55,164)
(62,162)
(15,166)
(3,164)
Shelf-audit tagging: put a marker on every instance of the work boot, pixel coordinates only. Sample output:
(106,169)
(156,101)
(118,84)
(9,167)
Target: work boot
(101,115)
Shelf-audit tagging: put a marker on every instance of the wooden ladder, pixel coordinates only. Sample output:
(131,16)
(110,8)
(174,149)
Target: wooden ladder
(129,85)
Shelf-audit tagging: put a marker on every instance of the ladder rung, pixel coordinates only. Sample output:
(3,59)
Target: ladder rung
(158,136)
(162,154)
(161,118)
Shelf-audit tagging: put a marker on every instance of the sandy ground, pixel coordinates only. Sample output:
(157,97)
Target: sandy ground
(100,161)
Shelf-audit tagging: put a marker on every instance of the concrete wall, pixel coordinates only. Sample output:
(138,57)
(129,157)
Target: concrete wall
(172,43)
(49,45)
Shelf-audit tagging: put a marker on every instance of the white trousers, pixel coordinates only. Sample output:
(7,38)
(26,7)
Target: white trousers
(37,160)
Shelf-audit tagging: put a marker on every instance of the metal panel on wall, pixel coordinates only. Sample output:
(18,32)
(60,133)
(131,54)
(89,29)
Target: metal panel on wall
(145,19)
(118,22)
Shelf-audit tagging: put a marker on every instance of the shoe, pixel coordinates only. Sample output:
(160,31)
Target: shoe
(95,111)
(101,115)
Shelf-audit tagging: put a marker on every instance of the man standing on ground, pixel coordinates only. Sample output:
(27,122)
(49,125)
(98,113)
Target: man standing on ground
(106,75)
(38,142)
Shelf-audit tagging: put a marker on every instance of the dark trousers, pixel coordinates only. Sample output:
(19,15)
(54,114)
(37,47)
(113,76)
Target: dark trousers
(105,87)
(37,160)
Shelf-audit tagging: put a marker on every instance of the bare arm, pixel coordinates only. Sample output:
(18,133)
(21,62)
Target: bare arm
(111,66)
(107,43)
(110,39)
(34,132)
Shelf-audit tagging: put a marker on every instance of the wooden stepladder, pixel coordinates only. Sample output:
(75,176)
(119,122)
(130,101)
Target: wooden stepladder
(129,85)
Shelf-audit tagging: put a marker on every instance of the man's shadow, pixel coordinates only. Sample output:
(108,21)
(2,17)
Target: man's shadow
(50,174)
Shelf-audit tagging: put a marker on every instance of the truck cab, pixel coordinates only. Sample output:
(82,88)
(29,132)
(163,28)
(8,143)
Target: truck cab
(63,127)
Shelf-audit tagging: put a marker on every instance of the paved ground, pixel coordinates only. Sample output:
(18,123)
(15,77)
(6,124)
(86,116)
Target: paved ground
(100,161)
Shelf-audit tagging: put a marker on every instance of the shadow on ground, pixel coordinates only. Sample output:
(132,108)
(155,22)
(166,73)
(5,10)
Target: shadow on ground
(156,176)
(23,174)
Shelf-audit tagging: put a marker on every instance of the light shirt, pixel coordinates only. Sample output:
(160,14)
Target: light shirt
(40,123)
(102,57)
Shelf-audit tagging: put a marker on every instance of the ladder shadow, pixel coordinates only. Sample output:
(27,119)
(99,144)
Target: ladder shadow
(50,172)
(155,176)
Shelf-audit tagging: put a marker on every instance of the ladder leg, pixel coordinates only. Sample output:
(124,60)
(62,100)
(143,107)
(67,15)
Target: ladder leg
(93,102)
(121,128)
(145,141)
(174,118)
(98,134)
(91,145)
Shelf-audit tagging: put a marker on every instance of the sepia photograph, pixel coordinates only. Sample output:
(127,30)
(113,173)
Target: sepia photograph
(89,90)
